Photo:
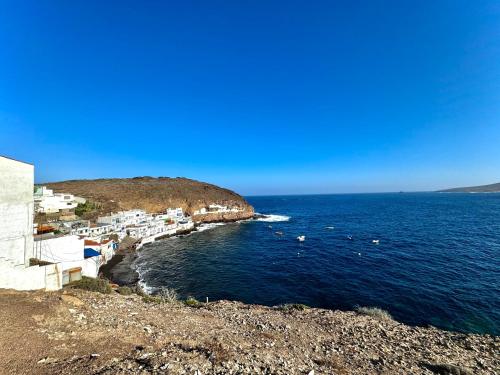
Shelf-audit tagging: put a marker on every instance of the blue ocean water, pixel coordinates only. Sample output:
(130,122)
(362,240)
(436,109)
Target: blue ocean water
(437,263)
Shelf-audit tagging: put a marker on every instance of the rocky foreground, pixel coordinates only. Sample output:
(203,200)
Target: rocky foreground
(82,332)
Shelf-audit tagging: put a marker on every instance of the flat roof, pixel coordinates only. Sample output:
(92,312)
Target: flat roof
(19,161)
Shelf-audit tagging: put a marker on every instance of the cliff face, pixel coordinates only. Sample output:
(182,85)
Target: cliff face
(155,195)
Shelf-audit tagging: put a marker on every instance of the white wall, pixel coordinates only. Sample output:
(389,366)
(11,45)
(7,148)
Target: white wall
(59,249)
(68,251)
(16,210)
(31,278)
(89,266)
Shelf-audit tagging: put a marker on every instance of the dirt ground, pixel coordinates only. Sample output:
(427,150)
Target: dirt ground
(82,332)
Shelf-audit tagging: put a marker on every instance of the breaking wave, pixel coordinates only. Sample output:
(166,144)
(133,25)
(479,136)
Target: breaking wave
(273,218)
(204,227)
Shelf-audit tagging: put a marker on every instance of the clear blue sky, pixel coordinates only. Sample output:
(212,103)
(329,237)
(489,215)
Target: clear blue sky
(264,97)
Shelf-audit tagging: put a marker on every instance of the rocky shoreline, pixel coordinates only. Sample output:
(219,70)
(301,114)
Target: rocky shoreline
(119,270)
(80,332)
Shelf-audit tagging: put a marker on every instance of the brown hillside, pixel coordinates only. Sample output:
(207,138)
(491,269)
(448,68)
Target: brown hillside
(153,195)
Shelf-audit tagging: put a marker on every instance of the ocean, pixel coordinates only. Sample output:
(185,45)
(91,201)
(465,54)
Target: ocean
(437,261)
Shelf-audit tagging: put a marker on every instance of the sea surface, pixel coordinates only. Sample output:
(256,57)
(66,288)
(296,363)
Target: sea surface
(437,261)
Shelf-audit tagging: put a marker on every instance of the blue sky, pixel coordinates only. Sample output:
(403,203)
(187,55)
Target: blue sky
(264,97)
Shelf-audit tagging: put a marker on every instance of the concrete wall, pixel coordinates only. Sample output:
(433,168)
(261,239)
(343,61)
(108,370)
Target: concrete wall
(31,278)
(16,210)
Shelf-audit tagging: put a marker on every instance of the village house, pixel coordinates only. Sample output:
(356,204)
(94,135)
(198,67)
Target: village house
(78,227)
(106,248)
(122,219)
(46,201)
(201,211)
(175,213)
(69,251)
(99,229)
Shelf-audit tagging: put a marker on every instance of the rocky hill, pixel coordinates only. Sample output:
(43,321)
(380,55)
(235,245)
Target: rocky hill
(154,195)
(491,188)
(78,332)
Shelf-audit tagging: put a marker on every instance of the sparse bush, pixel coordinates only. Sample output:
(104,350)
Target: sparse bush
(293,306)
(168,295)
(374,312)
(83,208)
(93,285)
(192,302)
(137,289)
(151,299)
(124,290)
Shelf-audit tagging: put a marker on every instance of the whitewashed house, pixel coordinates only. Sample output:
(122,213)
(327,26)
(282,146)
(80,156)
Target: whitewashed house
(106,248)
(16,231)
(174,213)
(201,211)
(46,201)
(79,227)
(121,219)
(99,229)
(138,230)
(69,251)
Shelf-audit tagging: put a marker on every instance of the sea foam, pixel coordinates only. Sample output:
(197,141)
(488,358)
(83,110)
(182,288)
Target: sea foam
(273,218)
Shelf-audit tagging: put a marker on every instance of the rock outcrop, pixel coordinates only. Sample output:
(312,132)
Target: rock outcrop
(155,195)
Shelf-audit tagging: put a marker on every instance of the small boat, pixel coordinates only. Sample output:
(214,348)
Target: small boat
(279,233)
(301,238)
(349,237)
(376,242)
(329,227)
(270,226)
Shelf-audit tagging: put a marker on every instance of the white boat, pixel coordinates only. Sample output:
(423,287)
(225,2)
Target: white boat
(329,227)
(301,238)
(376,242)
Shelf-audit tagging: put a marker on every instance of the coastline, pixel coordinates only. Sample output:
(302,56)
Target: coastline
(119,269)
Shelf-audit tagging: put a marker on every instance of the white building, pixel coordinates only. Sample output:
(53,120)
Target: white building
(46,201)
(216,208)
(69,252)
(122,219)
(97,230)
(16,234)
(106,248)
(174,213)
(201,211)
(78,227)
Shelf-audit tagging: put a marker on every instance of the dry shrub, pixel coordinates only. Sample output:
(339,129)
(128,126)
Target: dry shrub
(167,295)
(93,285)
(217,353)
(374,312)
